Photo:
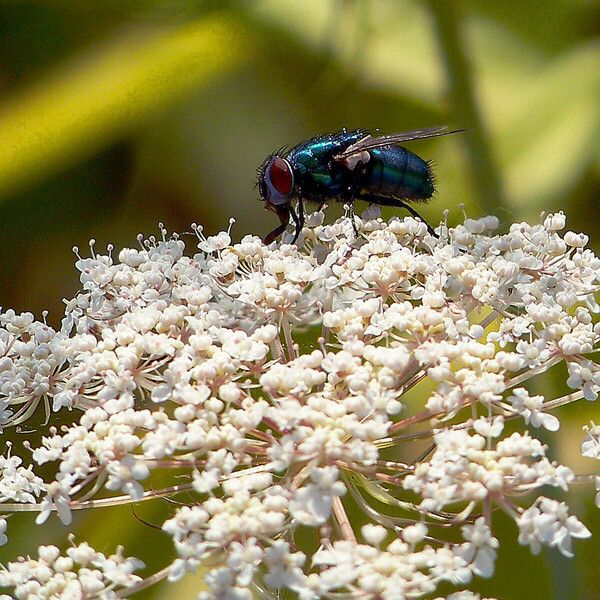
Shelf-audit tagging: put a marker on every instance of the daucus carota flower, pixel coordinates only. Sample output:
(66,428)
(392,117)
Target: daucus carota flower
(81,572)
(271,385)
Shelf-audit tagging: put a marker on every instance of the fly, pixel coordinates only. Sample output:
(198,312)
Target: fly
(346,166)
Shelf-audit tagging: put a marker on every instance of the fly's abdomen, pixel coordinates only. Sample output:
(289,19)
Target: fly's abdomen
(394,172)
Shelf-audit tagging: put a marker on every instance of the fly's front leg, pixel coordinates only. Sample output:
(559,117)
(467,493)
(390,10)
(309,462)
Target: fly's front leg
(283,213)
(270,237)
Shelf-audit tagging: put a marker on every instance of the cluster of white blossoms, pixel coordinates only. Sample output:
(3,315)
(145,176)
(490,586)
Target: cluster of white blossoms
(293,385)
(81,572)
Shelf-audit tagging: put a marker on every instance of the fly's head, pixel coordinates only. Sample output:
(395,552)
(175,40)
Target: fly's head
(275,182)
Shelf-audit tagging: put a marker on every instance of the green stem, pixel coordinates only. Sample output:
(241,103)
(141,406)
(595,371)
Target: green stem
(449,25)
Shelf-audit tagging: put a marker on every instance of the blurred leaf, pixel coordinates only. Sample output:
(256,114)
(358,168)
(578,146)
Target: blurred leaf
(78,110)
(367,43)
(553,131)
(550,25)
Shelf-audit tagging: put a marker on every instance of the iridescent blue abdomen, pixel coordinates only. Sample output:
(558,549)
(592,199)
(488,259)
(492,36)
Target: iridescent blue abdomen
(395,172)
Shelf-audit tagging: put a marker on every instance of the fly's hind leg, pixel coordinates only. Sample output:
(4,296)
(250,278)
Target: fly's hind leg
(400,204)
(414,213)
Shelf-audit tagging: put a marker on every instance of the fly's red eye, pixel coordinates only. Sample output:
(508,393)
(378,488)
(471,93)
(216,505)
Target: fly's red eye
(280,174)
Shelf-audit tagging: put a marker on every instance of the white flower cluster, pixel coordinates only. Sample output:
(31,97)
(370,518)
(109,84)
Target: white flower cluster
(464,468)
(275,378)
(81,573)
(18,483)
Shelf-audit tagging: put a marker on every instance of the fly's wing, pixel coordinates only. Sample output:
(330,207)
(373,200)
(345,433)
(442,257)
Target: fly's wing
(369,142)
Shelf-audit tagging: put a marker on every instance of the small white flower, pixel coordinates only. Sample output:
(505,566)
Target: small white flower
(489,427)
(3,536)
(311,504)
(57,498)
(413,534)
(125,474)
(555,221)
(243,560)
(284,567)
(374,534)
(81,572)
(529,407)
(548,522)
(215,242)
(480,549)
(576,240)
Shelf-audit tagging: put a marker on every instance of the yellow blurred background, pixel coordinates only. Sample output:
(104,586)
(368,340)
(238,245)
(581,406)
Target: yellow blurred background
(117,115)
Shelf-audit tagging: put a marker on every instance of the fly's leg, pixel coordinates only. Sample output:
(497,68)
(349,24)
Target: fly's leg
(414,213)
(400,204)
(298,219)
(357,172)
(353,217)
(284,216)
(348,199)
(270,237)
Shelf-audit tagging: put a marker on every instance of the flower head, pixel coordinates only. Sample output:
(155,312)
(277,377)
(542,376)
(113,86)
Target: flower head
(272,385)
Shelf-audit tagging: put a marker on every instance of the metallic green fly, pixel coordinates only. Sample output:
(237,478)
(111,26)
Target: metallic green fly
(346,166)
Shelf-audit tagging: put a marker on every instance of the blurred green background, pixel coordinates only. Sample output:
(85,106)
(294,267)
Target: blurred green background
(118,114)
